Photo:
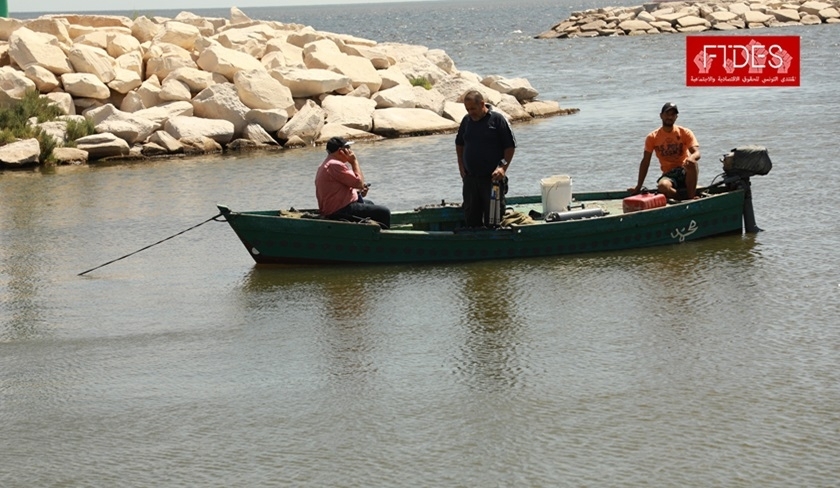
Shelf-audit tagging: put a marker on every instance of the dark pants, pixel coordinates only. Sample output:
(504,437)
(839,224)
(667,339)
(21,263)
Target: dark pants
(476,193)
(366,208)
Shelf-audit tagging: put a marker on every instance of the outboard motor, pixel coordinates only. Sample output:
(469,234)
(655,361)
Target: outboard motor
(739,165)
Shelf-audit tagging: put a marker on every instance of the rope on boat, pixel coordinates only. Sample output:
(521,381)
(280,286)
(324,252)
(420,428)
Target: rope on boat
(151,245)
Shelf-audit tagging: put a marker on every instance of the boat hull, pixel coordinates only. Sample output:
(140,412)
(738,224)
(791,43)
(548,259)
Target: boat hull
(273,239)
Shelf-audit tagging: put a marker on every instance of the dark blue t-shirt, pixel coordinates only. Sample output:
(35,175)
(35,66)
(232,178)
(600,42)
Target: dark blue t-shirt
(484,142)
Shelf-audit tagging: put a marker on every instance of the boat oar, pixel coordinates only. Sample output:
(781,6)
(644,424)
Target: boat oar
(151,245)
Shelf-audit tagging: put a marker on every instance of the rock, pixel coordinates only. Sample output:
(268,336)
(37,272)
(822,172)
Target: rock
(221,101)
(179,34)
(160,113)
(69,155)
(27,48)
(428,99)
(87,59)
(270,120)
(353,112)
(219,59)
(125,80)
(183,127)
(306,124)
(259,90)
(541,108)
(124,125)
(14,84)
(304,83)
(255,133)
(85,85)
(165,140)
(99,146)
(517,87)
(20,153)
(399,122)
(200,145)
(64,101)
(399,96)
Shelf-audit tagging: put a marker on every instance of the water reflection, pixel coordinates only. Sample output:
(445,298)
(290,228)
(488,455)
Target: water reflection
(490,358)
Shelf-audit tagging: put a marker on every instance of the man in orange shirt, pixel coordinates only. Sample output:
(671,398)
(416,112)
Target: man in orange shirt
(678,152)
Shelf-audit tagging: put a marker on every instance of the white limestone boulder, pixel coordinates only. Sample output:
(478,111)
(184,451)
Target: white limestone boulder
(160,113)
(124,81)
(53,26)
(102,145)
(144,29)
(454,111)
(120,44)
(290,55)
(43,78)
(194,78)
(165,64)
(353,112)
(126,126)
(62,100)
(182,127)
(255,132)
(7,26)
(258,89)
(305,83)
(179,34)
(200,145)
(219,59)
(305,125)
(69,155)
(85,85)
(398,122)
(325,54)
(132,61)
(221,101)
(400,96)
(27,48)
(541,108)
(814,8)
(518,87)
(511,106)
(166,141)
(270,120)
(20,153)
(392,77)
(14,84)
(88,59)
(174,90)
(428,99)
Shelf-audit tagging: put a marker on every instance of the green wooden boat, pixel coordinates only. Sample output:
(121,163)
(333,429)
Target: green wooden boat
(435,233)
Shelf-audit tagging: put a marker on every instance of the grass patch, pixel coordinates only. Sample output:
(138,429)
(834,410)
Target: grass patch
(420,82)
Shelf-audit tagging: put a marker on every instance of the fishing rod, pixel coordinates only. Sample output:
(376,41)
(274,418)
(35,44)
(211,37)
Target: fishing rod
(151,245)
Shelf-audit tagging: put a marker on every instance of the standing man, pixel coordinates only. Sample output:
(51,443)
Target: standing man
(485,146)
(678,152)
(340,186)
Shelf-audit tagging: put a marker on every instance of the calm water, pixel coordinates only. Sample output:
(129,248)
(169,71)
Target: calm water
(714,363)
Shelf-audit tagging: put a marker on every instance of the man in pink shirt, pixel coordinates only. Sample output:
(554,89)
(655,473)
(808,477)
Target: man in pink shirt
(340,186)
(678,152)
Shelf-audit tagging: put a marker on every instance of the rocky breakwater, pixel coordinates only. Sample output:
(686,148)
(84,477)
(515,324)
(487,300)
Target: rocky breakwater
(687,17)
(160,86)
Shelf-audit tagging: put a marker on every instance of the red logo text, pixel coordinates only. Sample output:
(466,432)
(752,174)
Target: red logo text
(742,61)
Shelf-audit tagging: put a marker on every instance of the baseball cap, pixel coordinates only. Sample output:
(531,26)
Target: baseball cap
(336,143)
(669,106)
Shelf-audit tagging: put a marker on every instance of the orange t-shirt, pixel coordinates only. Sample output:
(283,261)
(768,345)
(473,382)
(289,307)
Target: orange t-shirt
(670,147)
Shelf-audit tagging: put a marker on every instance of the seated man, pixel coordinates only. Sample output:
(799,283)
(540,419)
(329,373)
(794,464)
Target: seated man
(340,186)
(678,152)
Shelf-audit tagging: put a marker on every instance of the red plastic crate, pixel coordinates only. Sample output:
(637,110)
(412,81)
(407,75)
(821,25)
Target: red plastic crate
(643,201)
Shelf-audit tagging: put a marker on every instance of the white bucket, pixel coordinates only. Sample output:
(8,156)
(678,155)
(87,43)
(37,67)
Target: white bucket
(556,193)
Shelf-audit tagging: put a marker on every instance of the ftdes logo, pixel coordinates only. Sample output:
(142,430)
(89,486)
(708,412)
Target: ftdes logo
(742,61)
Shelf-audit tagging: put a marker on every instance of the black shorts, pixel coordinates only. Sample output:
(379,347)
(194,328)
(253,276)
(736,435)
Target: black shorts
(677,177)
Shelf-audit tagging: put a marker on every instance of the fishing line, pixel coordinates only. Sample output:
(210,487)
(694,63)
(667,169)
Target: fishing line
(151,245)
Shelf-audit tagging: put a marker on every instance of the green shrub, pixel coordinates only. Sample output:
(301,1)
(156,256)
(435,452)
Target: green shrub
(76,130)
(420,82)
(15,121)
